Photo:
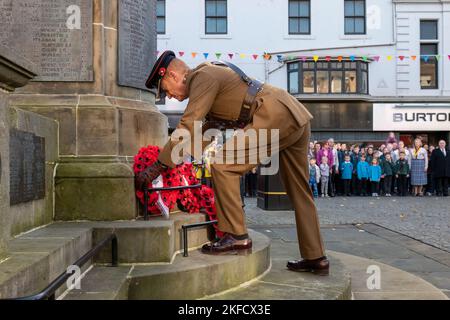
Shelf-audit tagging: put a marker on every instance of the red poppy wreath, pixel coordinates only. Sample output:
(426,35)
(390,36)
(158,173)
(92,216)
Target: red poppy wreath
(189,200)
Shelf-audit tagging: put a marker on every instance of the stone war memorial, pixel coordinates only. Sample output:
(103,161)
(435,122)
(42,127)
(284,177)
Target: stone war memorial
(79,125)
(74,112)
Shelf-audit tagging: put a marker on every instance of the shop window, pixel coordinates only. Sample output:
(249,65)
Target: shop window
(328,77)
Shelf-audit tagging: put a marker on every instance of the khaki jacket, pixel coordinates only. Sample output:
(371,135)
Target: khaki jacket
(219,92)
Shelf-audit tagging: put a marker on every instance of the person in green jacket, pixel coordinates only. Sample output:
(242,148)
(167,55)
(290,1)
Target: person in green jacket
(387,171)
(402,173)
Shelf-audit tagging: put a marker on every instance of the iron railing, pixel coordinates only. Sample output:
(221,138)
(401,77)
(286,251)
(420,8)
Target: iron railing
(185,227)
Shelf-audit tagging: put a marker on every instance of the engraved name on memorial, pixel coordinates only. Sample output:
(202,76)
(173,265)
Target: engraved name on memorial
(27,167)
(55,35)
(137,41)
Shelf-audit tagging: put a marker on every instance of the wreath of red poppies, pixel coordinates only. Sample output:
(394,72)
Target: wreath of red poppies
(191,200)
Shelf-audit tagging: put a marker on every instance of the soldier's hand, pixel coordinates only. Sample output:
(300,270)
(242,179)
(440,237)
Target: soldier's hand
(148,175)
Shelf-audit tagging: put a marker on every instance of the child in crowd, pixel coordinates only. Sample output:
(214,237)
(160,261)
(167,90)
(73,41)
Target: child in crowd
(346,174)
(402,174)
(374,176)
(354,159)
(362,172)
(324,176)
(314,176)
(387,170)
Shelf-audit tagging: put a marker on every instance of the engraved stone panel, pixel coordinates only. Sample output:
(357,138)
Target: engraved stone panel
(27,167)
(137,41)
(54,34)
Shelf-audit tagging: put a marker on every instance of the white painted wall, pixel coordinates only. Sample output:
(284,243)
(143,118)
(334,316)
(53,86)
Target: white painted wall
(255,26)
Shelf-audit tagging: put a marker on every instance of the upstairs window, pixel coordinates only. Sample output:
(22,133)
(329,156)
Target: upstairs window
(299,17)
(161,17)
(355,16)
(216,17)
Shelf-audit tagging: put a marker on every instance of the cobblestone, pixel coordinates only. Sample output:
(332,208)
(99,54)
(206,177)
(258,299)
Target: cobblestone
(426,219)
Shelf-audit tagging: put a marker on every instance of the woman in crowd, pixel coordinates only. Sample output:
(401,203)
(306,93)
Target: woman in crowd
(419,167)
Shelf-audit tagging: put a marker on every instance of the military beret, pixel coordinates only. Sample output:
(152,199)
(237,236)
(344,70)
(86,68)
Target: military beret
(158,72)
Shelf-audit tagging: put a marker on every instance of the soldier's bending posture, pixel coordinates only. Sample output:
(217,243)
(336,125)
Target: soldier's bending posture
(221,92)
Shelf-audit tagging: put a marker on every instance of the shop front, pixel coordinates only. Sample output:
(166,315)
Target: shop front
(430,122)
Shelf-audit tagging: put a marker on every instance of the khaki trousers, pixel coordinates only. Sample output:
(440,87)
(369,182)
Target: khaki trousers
(294,169)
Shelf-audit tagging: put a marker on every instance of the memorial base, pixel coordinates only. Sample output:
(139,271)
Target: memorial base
(96,190)
(98,138)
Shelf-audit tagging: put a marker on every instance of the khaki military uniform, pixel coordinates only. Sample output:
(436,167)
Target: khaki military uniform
(219,92)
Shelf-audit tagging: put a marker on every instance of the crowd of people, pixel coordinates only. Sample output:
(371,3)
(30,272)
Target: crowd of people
(338,169)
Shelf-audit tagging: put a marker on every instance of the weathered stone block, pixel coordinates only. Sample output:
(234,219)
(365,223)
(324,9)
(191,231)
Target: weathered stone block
(97,131)
(94,191)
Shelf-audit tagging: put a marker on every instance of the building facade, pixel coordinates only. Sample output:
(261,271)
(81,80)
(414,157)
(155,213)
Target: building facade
(362,67)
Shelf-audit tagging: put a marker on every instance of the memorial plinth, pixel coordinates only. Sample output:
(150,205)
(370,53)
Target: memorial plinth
(14,72)
(93,57)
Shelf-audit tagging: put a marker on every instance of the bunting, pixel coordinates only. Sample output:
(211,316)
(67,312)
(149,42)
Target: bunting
(314,57)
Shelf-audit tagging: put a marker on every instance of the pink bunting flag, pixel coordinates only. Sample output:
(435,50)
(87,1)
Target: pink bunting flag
(303,58)
(231,55)
(401,58)
(327,58)
(255,56)
(181,53)
(449,57)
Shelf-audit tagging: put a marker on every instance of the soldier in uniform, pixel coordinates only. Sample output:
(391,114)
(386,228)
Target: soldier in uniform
(221,92)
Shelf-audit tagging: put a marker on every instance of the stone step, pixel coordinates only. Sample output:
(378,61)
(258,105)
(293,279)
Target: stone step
(94,287)
(282,284)
(39,256)
(190,277)
(395,284)
(157,240)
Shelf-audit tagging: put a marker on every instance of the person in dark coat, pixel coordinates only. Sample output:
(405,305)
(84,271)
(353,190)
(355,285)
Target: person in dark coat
(440,168)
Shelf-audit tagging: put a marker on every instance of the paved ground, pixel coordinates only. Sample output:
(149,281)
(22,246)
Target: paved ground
(396,231)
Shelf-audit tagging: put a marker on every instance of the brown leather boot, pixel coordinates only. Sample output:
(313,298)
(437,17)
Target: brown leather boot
(228,245)
(319,266)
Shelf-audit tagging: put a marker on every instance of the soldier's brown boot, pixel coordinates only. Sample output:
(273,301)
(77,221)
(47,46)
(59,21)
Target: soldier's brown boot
(319,266)
(228,245)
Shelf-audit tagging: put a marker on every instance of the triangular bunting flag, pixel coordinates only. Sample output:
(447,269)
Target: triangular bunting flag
(364,58)
(316,58)
(279,57)
(401,58)
(414,58)
(303,58)
(230,55)
(181,53)
(352,58)
(194,54)
(340,58)
(218,55)
(389,58)
(267,56)
(376,58)
(327,58)
(438,57)
(206,54)
(242,55)
(449,57)
(255,56)
(425,58)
